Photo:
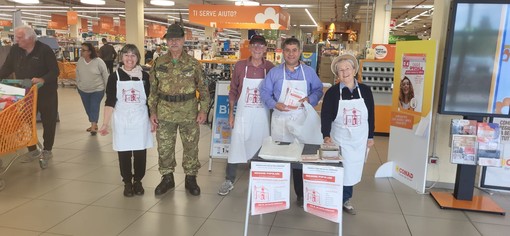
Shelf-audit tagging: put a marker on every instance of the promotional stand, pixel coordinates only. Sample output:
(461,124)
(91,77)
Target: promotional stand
(462,197)
(276,205)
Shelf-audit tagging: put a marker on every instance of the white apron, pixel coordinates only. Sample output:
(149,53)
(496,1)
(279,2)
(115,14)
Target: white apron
(350,131)
(251,125)
(279,131)
(131,125)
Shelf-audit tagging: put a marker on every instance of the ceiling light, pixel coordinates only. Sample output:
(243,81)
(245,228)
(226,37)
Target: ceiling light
(164,3)
(93,2)
(26,1)
(347,5)
(310,15)
(247,3)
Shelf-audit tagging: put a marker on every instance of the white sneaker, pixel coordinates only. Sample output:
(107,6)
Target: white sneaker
(225,188)
(47,154)
(349,208)
(31,156)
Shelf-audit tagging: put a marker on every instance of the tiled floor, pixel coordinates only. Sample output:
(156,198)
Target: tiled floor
(80,193)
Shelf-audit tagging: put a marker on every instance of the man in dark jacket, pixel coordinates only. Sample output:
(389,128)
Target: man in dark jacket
(108,54)
(32,60)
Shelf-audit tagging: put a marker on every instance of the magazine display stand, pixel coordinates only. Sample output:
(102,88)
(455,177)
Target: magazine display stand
(462,197)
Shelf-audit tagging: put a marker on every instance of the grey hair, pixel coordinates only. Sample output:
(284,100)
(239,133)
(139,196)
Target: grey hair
(347,60)
(29,32)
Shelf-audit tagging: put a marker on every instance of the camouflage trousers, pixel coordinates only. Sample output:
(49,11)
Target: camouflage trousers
(167,135)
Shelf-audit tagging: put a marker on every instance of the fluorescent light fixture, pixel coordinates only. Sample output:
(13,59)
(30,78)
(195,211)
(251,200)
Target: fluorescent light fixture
(310,15)
(93,2)
(163,3)
(26,1)
(347,5)
(247,3)
(290,5)
(307,26)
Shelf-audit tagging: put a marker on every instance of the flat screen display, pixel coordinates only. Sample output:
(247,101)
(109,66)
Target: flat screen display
(476,73)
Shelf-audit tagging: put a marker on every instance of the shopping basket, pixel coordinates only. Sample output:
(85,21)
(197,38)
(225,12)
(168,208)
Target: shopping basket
(18,129)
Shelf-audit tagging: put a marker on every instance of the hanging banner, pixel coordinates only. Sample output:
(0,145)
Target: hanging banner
(240,17)
(58,22)
(270,187)
(411,112)
(221,131)
(323,191)
(84,25)
(6,23)
(72,18)
(156,31)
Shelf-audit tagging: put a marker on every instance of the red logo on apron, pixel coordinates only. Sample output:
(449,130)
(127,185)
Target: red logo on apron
(352,117)
(252,96)
(131,96)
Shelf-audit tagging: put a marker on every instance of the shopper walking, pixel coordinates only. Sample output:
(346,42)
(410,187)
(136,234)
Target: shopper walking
(32,60)
(347,119)
(126,105)
(175,78)
(251,123)
(108,54)
(91,79)
(290,76)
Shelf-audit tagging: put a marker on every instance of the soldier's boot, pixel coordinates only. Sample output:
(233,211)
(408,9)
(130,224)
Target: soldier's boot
(191,185)
(167,182)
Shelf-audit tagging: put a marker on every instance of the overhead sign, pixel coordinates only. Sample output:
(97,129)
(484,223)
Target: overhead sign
(239,17)
(72,17)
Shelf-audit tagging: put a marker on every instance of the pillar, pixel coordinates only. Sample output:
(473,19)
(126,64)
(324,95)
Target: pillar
(381,21)
(135,29)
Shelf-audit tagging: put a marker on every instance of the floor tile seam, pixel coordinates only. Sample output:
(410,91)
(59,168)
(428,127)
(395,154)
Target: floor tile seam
(435,217)
(493,224)
(170,214)
(400,207)
(308,230)
(66,218)
(22,229)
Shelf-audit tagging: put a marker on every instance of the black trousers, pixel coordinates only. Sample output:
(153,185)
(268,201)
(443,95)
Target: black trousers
(126,166)
(47,105)
(109,66)
(297,176)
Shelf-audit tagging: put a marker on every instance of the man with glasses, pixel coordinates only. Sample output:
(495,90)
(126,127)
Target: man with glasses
(251,123)
(298,78)
(175,77)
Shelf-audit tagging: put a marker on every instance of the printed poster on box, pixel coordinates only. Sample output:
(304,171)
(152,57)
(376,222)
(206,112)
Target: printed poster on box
(323,191)
(270,187)
(221,132)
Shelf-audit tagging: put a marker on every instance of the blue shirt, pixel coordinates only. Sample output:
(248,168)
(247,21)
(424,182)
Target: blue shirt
(271,87)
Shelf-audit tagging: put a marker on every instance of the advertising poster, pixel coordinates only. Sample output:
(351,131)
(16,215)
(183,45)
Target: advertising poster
(323,191)
(463,149)
(411,82)
(501,103)
(488,138)
(499,177)
(221,132)
(270,191)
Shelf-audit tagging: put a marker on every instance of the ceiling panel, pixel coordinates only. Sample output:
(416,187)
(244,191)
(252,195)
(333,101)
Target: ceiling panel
(322,11)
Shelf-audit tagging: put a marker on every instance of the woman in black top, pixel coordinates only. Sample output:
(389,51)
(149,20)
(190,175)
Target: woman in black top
(347,119)
(126,104)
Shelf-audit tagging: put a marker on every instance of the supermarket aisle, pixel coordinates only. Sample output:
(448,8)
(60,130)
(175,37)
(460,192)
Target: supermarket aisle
(81,194)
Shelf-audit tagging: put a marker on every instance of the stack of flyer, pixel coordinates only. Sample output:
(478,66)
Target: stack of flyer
(488,138)
(328,153)
(293,97)
(463,142)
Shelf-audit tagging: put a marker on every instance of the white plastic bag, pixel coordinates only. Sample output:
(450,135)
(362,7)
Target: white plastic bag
(273,151)
(307,129)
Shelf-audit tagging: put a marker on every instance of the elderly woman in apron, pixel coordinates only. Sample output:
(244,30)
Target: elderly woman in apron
(347,119)
(126,106)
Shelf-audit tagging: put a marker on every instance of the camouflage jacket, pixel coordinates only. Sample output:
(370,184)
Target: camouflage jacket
(186,76)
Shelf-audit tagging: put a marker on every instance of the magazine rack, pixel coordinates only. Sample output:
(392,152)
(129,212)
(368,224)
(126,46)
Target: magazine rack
(462,197)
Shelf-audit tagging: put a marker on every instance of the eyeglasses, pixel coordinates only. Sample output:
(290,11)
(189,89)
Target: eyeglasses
(258,46)
(85,50)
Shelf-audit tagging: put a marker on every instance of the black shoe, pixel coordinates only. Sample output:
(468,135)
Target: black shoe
(167,182)
(128,189)
(190,183)
(138,188)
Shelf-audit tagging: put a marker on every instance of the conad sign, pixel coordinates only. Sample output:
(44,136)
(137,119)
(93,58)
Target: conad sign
(240,17)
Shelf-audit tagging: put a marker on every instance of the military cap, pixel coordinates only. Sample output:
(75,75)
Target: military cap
(174,31)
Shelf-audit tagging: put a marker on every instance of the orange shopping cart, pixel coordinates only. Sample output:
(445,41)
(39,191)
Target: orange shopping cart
(18,130)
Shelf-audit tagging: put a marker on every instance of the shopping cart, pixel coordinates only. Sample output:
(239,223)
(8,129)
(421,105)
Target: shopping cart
(67,73)
(18,130)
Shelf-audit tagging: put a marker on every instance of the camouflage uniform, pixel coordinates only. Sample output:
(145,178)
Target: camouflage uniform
(183,77)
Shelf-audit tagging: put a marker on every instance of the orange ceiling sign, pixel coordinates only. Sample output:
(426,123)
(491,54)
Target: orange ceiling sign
(58,22)
(239,17)
(156,31)
(72,17)
(5,23)
(84,25)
